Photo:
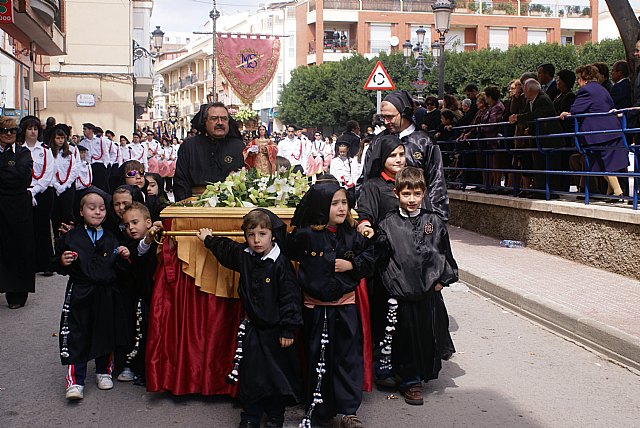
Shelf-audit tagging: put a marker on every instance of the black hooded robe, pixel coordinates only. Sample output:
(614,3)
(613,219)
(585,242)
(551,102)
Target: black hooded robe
(317,251)
(89,295)
(17,241)
(415,255)
(271,299)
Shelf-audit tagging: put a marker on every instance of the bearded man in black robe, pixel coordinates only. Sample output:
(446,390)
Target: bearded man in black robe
(210,156)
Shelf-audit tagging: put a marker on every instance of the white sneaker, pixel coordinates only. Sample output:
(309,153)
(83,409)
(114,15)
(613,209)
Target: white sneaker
(75,392)
(126,375)
(104,381)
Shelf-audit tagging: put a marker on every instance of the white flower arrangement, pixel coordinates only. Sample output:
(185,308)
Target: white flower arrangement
(250,189)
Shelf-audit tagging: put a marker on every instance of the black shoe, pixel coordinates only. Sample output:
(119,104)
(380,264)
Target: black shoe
(16,305)
(388,382)
(248,424)
(274,423)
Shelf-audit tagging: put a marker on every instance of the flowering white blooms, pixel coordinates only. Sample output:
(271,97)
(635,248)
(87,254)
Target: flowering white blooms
(248,188)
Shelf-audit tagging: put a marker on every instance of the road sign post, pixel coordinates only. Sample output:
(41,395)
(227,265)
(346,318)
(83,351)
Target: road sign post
(379,80)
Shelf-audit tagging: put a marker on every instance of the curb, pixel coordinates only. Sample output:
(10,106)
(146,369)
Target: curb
(613,343)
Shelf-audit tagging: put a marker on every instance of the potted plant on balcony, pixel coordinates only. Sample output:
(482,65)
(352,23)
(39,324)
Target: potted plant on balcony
(247,117)
(586,12)
(574,10)
(472,6)
(503,9)
(460,6)
(536,9)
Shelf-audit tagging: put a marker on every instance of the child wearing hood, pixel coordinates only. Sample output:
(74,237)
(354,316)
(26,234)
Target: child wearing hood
(333,258)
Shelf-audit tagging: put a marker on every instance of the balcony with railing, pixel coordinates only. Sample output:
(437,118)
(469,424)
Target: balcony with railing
(462,7)
(526,9)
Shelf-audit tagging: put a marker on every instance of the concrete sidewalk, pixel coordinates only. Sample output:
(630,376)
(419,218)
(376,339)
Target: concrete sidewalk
(592,306)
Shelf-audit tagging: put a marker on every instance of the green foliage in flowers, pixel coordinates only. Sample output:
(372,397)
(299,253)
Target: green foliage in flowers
(245,114)
(248,188)
(330,94)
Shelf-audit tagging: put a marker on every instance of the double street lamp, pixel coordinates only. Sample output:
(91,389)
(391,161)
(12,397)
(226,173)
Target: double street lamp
(141,52)
(442,11)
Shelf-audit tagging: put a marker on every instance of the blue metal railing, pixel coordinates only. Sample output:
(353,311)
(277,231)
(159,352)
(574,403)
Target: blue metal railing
(490,147)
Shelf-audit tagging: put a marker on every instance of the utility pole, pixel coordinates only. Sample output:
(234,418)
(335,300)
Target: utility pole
(214,15)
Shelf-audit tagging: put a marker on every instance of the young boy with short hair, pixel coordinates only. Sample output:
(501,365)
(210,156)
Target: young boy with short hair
(139,227)
(267,361)
(91,256)
(415,264)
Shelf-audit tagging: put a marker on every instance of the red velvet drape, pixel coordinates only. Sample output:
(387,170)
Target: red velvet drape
(192,335)
(362,300)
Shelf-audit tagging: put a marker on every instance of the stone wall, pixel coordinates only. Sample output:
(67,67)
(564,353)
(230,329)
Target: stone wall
(605,237)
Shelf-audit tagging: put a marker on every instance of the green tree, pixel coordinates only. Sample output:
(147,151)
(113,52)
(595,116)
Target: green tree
(332,93)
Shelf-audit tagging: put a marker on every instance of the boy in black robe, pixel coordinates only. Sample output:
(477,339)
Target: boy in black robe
(91,256)
(415,263)
(140,229)
(268,365)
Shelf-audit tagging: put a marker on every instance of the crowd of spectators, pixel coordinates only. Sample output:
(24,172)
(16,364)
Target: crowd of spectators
(471,132)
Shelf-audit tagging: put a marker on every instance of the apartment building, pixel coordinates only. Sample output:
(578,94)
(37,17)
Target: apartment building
(94,82)
(30,32)
(329,30)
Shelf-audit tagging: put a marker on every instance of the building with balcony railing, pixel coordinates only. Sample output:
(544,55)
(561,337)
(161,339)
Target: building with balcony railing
(94,82)
(36,33)
(329,30)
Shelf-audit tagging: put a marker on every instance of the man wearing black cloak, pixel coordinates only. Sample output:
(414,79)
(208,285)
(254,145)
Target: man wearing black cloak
(397,112)
(210,156)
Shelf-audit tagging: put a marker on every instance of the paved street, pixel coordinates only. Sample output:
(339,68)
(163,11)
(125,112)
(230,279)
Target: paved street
(508,372)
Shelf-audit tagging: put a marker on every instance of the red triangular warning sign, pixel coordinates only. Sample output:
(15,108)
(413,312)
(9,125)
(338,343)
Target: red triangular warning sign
(379,79)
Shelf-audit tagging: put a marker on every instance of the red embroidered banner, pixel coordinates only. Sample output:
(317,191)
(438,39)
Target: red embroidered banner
(248,62)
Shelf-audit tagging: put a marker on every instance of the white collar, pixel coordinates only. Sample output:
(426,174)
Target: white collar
(273,254)
(406,214)
(407,131)
(8,146)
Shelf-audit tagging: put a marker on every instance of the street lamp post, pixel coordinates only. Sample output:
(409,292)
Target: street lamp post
(442,12)
(142,52)
(214,15)
(418,52)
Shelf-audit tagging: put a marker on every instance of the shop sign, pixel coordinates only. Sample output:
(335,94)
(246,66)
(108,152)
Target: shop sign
(6,11)
(85,100)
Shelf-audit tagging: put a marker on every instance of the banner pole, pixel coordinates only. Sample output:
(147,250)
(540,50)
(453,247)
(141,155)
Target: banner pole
(378,101)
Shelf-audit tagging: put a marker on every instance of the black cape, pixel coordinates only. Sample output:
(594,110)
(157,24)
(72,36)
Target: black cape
(203,160)
(90,292)
(272,301)
(17,241)
(422,153)
(415,254)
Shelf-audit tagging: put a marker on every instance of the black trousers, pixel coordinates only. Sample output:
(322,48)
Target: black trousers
(342,382)
(272,406)
(63,209)
(42,229)
(16,297)
(100,178)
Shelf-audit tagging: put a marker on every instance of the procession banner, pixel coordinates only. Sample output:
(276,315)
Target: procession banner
(249,62)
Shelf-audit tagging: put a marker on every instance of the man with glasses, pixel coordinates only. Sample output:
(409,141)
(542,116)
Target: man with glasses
(210,156)
(397,110)
(292,149)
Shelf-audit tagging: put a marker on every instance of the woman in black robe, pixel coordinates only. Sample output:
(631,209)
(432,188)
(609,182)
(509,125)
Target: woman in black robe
(17,242)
